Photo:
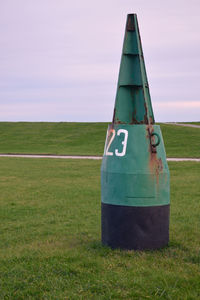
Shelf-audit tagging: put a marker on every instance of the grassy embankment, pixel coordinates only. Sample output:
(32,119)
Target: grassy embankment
(50,237)
(193,123)
(85,139)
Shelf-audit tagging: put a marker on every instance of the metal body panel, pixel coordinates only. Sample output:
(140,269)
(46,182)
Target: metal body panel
(139,177)
(139,228)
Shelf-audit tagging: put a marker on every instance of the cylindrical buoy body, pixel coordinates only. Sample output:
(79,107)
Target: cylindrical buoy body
(135,188)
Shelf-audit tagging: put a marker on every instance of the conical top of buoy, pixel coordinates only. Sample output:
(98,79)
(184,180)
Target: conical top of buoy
(133,101)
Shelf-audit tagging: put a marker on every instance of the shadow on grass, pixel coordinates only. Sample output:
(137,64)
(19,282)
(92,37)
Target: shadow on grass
(101,250)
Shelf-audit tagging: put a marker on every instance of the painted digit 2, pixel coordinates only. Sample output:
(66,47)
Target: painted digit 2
(112,131)
(124,142)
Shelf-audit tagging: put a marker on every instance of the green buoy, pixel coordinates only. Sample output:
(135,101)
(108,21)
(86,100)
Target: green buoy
(135,189)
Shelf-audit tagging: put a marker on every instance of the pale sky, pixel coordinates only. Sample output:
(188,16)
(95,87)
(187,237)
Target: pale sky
(59,59)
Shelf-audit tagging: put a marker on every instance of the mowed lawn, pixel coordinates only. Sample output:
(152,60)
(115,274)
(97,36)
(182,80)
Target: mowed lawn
(53,138)
(50,245)
(85,138)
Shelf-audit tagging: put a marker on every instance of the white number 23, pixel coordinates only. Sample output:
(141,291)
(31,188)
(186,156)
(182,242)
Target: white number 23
(124,142)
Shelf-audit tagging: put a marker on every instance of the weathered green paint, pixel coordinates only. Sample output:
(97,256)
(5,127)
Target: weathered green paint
(140,177)
(133,101)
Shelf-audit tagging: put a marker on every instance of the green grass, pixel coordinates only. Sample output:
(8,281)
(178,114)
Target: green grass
(52,138)
(85,139)
(181,141)
(50,236)
(193,123)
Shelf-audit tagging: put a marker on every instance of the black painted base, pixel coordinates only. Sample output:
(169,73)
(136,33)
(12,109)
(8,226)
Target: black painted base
(138,228)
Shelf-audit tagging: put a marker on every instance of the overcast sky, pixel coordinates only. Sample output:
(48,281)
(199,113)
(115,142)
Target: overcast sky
(59,59)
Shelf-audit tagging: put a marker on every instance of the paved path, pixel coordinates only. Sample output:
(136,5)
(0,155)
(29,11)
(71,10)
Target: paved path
(183,159)
(182,124)
(82,157)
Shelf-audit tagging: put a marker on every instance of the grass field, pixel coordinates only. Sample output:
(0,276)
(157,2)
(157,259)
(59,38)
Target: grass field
(85,139)
(194,123)
(52,138)
(181,141)
(50,236)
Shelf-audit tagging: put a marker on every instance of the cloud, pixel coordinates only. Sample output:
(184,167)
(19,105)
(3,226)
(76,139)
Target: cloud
(186,111)
(70,52)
